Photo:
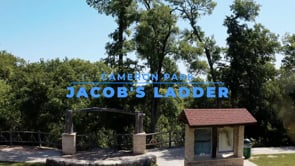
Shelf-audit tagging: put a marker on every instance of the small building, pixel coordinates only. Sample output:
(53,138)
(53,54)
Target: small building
(215,137)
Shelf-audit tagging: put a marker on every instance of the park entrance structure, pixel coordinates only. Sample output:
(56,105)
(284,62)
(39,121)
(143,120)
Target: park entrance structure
(69,136)
(214,137)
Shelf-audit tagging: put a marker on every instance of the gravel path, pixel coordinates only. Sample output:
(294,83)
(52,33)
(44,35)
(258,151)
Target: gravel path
(165,157)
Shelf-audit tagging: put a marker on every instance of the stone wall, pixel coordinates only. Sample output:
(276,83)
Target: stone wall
(139,143)
(189,144)
(142,160)
(239,144)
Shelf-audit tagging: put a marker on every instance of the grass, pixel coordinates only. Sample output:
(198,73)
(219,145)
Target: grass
(2,163)
(274,160)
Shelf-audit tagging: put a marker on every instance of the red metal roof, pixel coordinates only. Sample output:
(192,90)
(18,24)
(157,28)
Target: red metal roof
(216,117)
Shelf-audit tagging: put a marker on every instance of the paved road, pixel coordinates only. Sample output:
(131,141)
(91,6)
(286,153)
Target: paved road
(273,150)
(165,157)
(27,154)
(175,157)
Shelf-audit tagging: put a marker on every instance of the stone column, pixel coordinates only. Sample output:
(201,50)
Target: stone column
(69,137)
(139,143)
(139,122)
(238,141)
(69,143)
(189,144)
(69,121)
(139,138)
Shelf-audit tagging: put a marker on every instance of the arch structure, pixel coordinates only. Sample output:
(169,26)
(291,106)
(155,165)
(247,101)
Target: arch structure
(99,109)
(139,116)
(69,136)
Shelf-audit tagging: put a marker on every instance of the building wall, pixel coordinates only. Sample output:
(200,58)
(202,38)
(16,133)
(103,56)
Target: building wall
(189,144)
(238,140)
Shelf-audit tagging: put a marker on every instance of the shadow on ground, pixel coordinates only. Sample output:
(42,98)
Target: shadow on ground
(165,157)
(169,154)
(27,153)
(100,154)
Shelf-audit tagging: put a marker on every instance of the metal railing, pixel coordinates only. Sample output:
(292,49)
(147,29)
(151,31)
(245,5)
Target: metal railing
(89,141)
(124,141)
(165,139)
(29,138)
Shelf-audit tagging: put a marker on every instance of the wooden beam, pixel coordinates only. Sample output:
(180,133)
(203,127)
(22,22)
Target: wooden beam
(214,142)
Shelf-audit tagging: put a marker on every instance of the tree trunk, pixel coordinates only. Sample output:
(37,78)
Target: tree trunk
(120,41)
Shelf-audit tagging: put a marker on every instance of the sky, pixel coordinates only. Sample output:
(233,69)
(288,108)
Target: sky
(48,29)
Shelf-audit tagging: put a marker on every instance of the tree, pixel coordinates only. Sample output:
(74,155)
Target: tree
(155,37)
(250,54)
(289,52)
(191,11)
(250,50)
(125,14)
(10,117)
(285,104)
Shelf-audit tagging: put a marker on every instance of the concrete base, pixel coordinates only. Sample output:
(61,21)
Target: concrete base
(139,143)
(216,162)
(69,143)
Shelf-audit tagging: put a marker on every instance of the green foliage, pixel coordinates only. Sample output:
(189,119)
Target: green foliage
(155,36)
(245,9)
(274,160)
(124,11)
(285,103)
(191,55)
(250,51)
(33,94)
(289,52)
(191,11)
(9,68)
(250,73)
(33,97)
(155,40)
(9,117)
(170,110)
(8,63)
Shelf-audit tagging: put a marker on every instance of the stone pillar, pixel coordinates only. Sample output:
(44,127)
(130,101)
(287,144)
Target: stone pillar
(139,136)
(238,141)
(69,143)
(69,137)
(139,143)
(139,116)
(189,144)
(69,121)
